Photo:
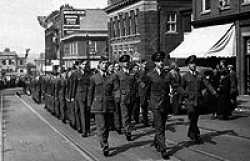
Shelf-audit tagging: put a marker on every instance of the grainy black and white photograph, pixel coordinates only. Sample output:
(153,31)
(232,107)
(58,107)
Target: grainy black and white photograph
(125,80)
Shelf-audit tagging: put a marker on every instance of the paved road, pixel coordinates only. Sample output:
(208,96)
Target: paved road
(28,138)
(34,134)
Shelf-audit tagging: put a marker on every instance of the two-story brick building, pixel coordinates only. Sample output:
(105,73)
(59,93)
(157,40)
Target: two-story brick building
(72,34)
(141,27)
(222,29)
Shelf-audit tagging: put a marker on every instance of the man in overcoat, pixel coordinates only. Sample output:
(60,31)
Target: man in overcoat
(103,85)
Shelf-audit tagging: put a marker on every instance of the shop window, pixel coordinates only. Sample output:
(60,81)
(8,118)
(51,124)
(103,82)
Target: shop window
(206,6)
(224,4)
(171,22)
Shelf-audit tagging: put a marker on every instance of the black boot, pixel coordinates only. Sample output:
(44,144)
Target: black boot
(128,136)
(105,151)
(164,154)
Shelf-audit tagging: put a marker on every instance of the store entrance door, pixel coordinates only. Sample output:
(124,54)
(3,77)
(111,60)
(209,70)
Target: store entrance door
(247,65)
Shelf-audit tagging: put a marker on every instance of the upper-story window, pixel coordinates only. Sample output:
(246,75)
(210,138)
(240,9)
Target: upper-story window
(246,1)
(136,20)
(171,22)
(206,6)
(224,4)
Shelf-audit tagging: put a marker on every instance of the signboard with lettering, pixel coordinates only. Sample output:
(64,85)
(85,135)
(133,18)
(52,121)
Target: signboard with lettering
(72,18)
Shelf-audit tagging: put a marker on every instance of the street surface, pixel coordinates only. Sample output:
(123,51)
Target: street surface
(30,133)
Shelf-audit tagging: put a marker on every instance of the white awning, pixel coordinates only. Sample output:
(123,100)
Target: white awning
(218,40)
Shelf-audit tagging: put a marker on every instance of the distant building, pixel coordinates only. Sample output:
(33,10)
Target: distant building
(40,63)
(75,34)
(141,27)
(11,63)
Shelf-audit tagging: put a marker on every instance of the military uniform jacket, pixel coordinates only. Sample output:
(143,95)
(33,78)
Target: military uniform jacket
(62,89)
(158,86)
(101,93)
(81,85)
(57,87)
(193,85)
(127,87)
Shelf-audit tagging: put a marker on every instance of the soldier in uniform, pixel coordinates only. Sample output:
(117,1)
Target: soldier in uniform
(62,92)
(82,111)
(158,86)
(117,113)
(101,99)
(142,92)
(57,81)
(127,97)
(192,83)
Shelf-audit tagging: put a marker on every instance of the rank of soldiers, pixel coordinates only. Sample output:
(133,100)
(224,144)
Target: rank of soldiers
(119,95)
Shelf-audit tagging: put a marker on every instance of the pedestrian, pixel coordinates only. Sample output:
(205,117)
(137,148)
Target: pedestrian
(192,84)
(233,88)
(126,82)
(175,96)
(158,90)
(224,104)
(81,110)
(103,85)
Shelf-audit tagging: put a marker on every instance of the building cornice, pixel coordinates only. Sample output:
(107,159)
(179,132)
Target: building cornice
(119,5)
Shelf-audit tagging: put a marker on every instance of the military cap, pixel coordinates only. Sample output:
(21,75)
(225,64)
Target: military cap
(124,58)
(158,56)
(191,59)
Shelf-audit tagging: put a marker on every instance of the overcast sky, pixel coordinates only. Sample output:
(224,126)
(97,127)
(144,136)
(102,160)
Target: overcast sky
(19,28)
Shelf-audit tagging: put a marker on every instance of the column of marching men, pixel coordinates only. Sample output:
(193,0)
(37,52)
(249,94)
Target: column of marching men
(116,96)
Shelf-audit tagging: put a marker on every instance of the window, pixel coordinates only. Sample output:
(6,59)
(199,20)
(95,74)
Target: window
(21,71)
(21,62)
(248,46)
(224,4)
(131,19)
(206,5)
(4,62)
(10,61)
(171,22)
(136,20)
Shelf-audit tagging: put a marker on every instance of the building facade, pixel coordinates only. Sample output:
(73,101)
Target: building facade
(217,12)
(40,63)
(11,63)
(141,27)
(74,34)
(86,37)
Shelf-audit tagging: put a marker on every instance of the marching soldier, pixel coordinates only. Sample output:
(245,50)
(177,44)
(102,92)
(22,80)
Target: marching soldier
(192,84)
(117,113)
(57,81)
(142,92)
(126,81)
(158,86)
(62,92)
(82,111)
(101,99)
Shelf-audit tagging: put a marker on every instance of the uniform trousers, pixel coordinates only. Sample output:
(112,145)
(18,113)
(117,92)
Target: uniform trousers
(62,108)
(126,113)
(160,118)
(117,116)
(103,123)
(193,116)
(82,115)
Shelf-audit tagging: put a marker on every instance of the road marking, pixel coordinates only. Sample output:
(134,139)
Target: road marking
(1,129)
(85,154)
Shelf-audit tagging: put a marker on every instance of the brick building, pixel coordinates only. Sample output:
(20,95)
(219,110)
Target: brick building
(141,27)
(11,63)
(72,34)
(88,40)
(224,31)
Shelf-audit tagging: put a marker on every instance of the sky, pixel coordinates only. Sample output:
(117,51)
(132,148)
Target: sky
(19,28)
